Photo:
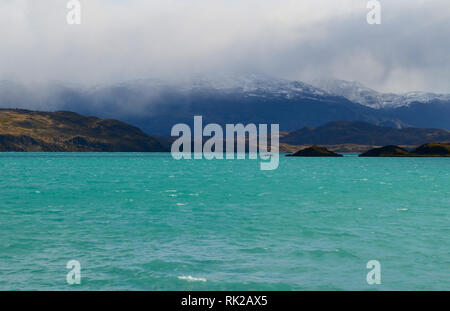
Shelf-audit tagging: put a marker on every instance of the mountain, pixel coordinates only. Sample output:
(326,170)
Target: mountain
(361,133)
(363,95)
(230,107)
(24,130)
(155,106)
(434,114)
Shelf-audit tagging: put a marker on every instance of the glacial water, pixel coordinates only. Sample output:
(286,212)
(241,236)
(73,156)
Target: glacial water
(148,222)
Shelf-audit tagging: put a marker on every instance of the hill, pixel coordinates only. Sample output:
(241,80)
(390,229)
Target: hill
(24,130)
(387,151)
(315,151)
(433,149)
(361,133)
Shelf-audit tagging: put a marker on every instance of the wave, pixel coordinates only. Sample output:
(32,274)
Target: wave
(191,279)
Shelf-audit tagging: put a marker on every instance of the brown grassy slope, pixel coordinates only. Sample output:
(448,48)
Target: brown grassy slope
(24,130)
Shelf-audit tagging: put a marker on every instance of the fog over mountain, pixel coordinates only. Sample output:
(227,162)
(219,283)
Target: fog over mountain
(156,105)
(154,63)
(296,40)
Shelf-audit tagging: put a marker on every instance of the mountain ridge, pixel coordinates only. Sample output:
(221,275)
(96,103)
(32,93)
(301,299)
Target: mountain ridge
(155,106)
(359,93)
(361,133)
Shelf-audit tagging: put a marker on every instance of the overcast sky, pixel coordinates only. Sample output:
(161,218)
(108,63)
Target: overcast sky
(294,39)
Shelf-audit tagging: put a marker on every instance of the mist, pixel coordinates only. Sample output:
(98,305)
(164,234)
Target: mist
(172,40)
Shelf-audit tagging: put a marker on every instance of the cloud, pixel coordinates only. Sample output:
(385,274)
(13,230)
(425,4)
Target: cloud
(120,40)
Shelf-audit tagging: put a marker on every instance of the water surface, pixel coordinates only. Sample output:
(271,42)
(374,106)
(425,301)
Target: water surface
(148,222)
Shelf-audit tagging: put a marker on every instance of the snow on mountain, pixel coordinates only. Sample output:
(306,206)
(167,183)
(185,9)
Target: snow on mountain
(257,83)
(155,104)
(250,84)
(363,95)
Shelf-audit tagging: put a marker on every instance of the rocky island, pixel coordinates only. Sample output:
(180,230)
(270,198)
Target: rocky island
(386,151)
(427,150)
(64,131)
(434,150)
(315,151)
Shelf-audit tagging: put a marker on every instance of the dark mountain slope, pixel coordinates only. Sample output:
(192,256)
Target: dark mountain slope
(230,108)
(435,114)
(341,132)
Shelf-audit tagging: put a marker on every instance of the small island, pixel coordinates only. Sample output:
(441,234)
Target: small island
(315,151)
(427,150)
(433,149)
(386,151)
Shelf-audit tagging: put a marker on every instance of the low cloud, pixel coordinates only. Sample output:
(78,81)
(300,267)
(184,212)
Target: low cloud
(171,39)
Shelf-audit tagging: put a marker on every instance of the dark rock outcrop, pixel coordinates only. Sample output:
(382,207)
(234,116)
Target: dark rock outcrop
(387,151)
(433,149)
(21,143)
(427,150)
(315,151)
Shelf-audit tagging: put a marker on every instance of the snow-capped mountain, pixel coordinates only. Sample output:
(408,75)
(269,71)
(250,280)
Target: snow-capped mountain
(256,84)
(363,95)
(155,105)
(252,85)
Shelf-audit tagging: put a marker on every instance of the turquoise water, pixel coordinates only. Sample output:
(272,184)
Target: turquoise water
(148,222)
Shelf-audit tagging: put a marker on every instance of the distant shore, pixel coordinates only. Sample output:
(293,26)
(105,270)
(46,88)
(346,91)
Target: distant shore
(66,131)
